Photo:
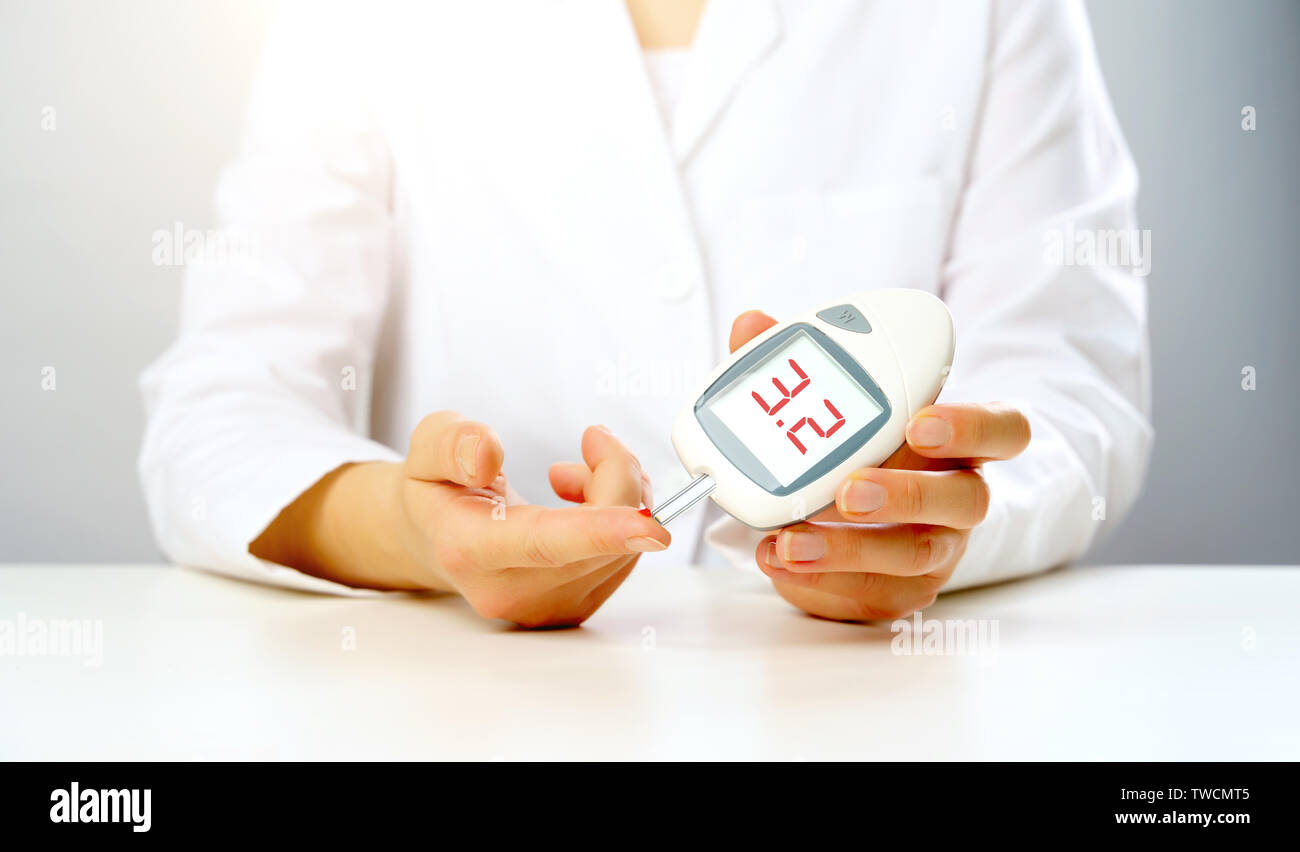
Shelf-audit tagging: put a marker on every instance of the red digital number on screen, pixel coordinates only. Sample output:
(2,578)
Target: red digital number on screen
(786,396)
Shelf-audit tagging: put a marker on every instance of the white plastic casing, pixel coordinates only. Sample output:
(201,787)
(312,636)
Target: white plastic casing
(908,353)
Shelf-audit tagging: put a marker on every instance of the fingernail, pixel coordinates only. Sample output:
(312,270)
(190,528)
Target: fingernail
(645,544)
(771,558)
(466,451)
(802,546)
(862,496)
(929,432)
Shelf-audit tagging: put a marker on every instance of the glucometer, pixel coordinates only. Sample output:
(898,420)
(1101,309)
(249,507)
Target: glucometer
(777,427)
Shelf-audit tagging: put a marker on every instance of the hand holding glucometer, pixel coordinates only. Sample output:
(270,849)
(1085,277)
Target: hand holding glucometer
(894,529)
(778,426)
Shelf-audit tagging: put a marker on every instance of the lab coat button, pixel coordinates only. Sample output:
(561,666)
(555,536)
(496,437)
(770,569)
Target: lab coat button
(677,282)
(798,247)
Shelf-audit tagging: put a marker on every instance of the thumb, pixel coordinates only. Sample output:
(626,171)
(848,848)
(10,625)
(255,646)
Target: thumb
(747,326)
(447,448)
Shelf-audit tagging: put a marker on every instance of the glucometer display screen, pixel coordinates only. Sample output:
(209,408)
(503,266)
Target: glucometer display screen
(794,408)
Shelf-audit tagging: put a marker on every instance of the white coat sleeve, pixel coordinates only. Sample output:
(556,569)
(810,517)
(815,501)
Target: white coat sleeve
(1064,340)
(1057,331)
(260,395)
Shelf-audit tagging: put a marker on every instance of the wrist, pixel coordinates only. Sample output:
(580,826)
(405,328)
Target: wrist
(348,528)
(366,531)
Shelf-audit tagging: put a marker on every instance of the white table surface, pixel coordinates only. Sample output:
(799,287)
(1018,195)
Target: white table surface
(1092,663)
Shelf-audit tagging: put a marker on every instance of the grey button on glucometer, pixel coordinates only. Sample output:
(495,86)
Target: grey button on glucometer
(846,317)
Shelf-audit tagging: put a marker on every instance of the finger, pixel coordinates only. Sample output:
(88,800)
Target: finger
(994,431)
(906,458)
(747,326)
(852,597)
(533,536)
(616,475)
(901,550)
(569,480)
(590,592)
(823,604)
(608,584)
(447,448)
(951,498)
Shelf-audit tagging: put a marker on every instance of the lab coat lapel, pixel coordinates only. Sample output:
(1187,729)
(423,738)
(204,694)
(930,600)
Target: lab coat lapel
(645,166)
(733,36)
(609,38)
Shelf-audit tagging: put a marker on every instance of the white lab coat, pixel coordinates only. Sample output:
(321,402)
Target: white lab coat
(475,206)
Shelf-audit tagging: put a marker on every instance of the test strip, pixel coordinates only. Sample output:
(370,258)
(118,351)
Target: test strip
(700,487)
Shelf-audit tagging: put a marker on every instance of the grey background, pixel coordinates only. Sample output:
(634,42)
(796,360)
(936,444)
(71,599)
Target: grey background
(148,96)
